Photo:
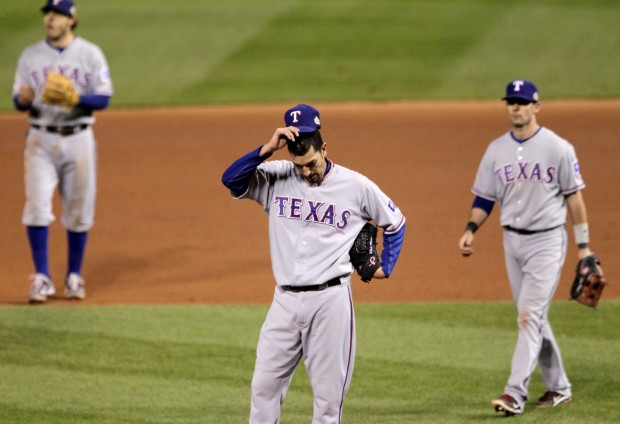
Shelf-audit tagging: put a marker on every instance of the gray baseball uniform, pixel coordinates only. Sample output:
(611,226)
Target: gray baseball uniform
(529,178)
(52,158)
(60,81)
(312,227)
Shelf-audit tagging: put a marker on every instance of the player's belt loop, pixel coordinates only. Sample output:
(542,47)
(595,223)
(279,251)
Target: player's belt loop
(317,287)
(63,131)
(528,232)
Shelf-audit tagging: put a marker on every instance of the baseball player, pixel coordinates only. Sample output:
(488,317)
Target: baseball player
(60,81)
(534,175)
(315,210)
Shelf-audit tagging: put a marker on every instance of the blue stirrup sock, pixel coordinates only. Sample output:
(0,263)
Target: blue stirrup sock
(77,246)
(37,236)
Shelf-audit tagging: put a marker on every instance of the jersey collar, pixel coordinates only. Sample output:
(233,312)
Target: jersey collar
(525,139)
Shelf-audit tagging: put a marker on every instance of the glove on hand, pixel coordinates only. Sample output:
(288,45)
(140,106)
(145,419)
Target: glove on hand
(589,281)
(363,253)
(59,90)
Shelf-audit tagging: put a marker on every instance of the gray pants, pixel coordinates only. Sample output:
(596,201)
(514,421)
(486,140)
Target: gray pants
(534,263)
(318,327)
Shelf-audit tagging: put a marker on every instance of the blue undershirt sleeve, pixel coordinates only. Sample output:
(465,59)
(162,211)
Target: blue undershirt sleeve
(237,176)
(392,243)
(88,101)
(484,204)
(94,101)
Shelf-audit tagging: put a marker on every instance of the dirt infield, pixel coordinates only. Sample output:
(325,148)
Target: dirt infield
(167,231)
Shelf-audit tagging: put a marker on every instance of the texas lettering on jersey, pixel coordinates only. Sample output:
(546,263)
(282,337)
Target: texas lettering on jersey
(525,171)
(78,76)
(311,211)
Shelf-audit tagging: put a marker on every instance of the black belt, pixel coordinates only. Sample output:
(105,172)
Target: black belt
(317,287)
(527,232)
(70,130)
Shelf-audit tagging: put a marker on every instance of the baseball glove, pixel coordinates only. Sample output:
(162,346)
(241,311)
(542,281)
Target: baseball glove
(363,253)
(589,281)
(59,90)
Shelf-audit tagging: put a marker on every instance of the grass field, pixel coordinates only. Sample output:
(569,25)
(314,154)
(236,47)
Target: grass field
(416,363)
(244,51)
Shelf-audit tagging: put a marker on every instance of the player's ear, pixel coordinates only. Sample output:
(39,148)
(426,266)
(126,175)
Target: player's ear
(324,149)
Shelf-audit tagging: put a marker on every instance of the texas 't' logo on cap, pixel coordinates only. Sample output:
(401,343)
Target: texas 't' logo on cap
(304,117)
(522,89)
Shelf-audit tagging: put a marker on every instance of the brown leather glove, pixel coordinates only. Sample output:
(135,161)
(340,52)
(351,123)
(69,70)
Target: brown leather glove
(59,90)
(589,281)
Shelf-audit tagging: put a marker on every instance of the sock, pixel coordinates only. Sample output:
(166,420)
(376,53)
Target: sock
(77,245)
(37,236)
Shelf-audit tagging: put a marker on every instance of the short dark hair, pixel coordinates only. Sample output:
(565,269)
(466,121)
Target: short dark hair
(302,144)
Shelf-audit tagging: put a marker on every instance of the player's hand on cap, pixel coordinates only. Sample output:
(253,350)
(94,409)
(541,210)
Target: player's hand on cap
(279,139)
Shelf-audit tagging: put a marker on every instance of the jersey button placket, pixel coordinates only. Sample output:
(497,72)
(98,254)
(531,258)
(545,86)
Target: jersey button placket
(519,187)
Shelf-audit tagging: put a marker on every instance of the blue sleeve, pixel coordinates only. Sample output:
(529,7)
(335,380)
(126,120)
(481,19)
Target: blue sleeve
(484,204)
(94,101)
(20,107)
(237,176)
(392,243)
(88,101)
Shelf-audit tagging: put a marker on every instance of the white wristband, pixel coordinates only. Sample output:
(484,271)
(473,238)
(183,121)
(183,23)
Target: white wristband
(582,234)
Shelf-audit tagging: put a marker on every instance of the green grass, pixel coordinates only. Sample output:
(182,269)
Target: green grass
(416,363)
(244,51)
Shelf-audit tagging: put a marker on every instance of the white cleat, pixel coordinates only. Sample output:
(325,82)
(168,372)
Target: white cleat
(40,288)
(74,287)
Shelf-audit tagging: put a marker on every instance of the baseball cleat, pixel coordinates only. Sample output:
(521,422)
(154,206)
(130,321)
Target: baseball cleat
(550,399)
(40,288)
(74,287)
(507,404)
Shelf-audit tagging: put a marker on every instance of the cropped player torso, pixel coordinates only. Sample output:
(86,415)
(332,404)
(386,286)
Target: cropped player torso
(312,227)
(529,179)
(81,61)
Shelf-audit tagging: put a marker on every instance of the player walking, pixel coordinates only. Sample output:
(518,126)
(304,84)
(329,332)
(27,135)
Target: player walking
(60,81)
(315,209)
(534,175)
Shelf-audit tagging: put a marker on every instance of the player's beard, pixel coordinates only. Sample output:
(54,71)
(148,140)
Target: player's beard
(316,178)
(57,33)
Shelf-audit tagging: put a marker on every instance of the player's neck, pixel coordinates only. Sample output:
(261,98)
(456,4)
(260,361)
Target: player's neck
(525,132)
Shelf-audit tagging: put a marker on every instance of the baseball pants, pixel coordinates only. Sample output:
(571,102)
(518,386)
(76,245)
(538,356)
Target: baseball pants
(534,263)
(318,326)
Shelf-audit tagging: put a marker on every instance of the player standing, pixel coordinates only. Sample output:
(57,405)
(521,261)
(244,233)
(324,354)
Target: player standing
(534,175)
(315,209)
(60,81)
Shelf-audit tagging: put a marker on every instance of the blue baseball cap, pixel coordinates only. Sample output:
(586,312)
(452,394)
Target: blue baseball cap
(306,118)
(65,7)
(522,89)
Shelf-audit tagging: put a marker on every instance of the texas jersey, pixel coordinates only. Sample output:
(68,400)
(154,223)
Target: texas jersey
(82,61)
(530,179)
(312,227)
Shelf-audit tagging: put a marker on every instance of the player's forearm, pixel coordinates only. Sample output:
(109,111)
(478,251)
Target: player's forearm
(579,218)
(477,217)
(577,208)
(392,244)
